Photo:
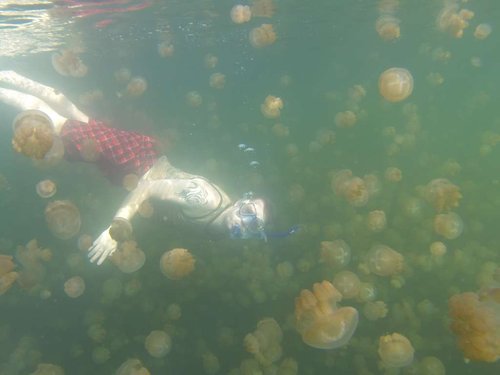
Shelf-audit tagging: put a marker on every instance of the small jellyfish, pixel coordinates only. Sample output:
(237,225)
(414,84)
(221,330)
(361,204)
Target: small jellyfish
(437,249)
(449,225)
(393,174)
(194,99)
(482,31)
(384,261)
(376,221)
(387,27)
(395,351)
(272,106)
(33,134)
(130,181)
(442,194)
(128,258)
(48,369)
(7,274)
(240,13)
(74,287)
(166,49)
(262,36)
(177,263)
(158,344)
(136,86)
(63,219)
(68,63)
(46,188)
(84,242)
(211,61)
(345,119)
(217,81)
(375,310)
(321,323)
(395,84)
(132,366)
(347,283)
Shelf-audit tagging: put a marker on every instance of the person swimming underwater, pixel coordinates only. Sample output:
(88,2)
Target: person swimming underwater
(47,115)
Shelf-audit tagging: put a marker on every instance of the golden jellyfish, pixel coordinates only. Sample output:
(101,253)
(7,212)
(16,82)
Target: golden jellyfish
(393,174)
(395,84)
(375,310)
(90,150)
(449,225)
(356,192)
(123,75)
(7,274)
(46,188)
(335,253)
(452,20)
(475,320)
(241,13)
(130,181)
(395,351)
(33,134)
(376,221)
(174,311)
(280,130)
(194,99)
(347,283)
(136,86)
(48,369)
(68,63)
(272,106)
(63,219)
(166,49)
(132,366)
(217,81)
(91,97)
(345,119)
(177,263)
(321,323)
(128,257)
(384,261)
(84,242)
(31,258)
(74,287)
(211,61)
(262,36)
(387,27)
(442,194)
(265,342)
(482,31)
(431,366)
(437,249)
(158,344)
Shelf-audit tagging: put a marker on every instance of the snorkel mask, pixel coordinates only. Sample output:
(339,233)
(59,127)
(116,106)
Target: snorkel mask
(248,219)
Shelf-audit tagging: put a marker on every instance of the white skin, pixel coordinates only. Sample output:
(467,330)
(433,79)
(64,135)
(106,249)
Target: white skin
(199,200)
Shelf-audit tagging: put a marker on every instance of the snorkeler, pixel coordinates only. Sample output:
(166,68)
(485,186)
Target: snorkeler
(48,117)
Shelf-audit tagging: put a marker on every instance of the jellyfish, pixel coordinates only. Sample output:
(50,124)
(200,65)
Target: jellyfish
(376,221)
(166,49)
(272,106)
(395,84)
(74,287)
(130,181)
(217,80)
(262,36)
(240,13)
(91,97)
(63,219)
(263,8)
(158,344)
(482,31)
(356,192)
(136,86)
(437,249)
(33,134)
(100,355)
(345,119)
(387,27)
(475,320)
(431,366)
(7,273)
(335,253)
(211,61)
(448,225)
(177,263)
(452,20)
(194,99)
(395,351)
(84,242)
(174,311)
(265,342)
(31,258)
(321,323)
(375,310)
(46,188)
(211,363)
(280,130)
(442,194)
(347,283)
(128,258)
(384,261)
(393,174)
(68,63)
(132,366)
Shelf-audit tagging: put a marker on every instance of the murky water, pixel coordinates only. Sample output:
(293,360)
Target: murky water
(413,170)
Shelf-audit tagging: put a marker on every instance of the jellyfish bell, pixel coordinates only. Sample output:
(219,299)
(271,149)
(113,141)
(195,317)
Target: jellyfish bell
(68,63)
(395,351)
(63,219)
(449,225)
(129,258)
(137,86)
(74,287)
(240,13)
(33,134)
(177,263)
(46,188)
(158,344)
(395,84)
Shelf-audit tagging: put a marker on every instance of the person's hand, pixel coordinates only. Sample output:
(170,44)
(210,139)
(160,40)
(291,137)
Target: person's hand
(102,247)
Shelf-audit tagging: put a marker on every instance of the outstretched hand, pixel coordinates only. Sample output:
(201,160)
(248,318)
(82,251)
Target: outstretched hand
(103,247)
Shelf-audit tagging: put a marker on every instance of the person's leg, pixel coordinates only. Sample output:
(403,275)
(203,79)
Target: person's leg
(24,102)
(54,98)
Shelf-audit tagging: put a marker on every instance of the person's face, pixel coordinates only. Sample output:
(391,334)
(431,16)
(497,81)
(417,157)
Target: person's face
(248,219)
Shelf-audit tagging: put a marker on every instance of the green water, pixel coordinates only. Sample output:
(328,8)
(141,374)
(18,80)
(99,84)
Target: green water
(323,49)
